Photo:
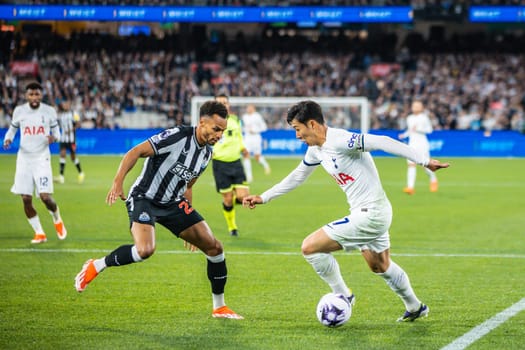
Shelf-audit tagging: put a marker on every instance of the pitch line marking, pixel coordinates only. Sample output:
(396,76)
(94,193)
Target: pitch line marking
(105,251)
(483,329)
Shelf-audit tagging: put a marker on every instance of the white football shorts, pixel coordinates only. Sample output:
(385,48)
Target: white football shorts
(363,229)
(33,174)
(253,143)
(422,146)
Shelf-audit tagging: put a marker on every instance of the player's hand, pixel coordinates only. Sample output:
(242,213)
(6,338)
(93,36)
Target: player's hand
(7,144)
(435,164)
(50,139)
(190,247)
(251,201)
(114,193)
(245,153)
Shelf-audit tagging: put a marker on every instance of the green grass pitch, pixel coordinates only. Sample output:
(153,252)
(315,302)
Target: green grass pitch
(463,248)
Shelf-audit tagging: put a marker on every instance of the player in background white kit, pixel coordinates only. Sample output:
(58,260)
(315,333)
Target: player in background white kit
(253,125)
(345,156)
(418,126)
(38,127)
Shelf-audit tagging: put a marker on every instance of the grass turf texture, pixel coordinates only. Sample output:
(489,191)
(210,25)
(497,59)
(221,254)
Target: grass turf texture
(463,248)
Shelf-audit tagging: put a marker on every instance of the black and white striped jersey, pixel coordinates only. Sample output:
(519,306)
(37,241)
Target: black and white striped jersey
(67,121)
(178,159)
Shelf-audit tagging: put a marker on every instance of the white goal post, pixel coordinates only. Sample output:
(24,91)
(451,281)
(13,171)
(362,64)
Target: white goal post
(346,112)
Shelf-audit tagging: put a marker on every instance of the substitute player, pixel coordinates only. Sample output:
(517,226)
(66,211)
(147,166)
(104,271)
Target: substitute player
(253,125)
(345,156)
(38,126)
(228,171)
(418,126)
(68,121)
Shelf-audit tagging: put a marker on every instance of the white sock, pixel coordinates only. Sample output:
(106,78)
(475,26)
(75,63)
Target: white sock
(218,300)
(135,254)
(327,268)
(100,264)
(411,176)
(263,162)
(36,225)
(247,164)
(56,215)
(216,259)
(432,175)
(398,281)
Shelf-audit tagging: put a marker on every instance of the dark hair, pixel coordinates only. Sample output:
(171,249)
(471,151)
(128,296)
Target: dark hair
(34,86)
(222,96)
(209,108)
(305,111)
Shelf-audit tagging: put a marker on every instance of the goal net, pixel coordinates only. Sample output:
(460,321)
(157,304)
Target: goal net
(344,112)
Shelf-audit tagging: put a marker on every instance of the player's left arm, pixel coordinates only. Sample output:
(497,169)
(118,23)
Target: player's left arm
(55,128)
(387,144)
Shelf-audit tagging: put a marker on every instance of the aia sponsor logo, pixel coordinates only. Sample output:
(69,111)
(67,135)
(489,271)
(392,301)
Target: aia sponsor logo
(342,178)
(34,130)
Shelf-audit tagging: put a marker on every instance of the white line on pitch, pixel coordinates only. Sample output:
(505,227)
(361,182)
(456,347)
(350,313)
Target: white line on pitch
(435,255)
(480,331)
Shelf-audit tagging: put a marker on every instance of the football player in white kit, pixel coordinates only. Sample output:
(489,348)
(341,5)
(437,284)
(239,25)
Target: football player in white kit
(345,156)
(253,125)
(38,126)
(418,126)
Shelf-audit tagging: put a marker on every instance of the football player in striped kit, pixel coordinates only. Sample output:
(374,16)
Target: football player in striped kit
(162,193)
(69,121)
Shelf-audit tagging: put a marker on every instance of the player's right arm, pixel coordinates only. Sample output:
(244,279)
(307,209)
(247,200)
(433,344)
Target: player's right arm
(143,150)
(293,180)
(13,127)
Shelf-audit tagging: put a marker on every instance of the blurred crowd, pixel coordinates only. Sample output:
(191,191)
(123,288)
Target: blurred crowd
(463,89)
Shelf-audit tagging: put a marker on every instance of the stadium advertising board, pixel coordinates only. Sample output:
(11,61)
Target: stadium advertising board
(354,14)
(284,143)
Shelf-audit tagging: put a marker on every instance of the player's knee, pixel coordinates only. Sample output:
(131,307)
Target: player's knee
(306,248)
(146,250)
(214,249)
(378,266)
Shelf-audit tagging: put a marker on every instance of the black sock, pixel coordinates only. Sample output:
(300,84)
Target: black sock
(62,167)
(120,256)
(227,207)
(78,167)
(217,274)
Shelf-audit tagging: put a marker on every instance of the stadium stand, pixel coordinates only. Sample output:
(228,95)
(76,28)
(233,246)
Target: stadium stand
(469,80)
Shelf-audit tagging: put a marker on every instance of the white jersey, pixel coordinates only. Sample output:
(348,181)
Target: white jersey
(253,124)
(35,126)
(418,126)
(345,156)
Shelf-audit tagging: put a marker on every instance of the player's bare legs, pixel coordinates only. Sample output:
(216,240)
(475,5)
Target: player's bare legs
(398,281)
(200,236)
(29,209)
(143,248)
(52,207)
(33,219)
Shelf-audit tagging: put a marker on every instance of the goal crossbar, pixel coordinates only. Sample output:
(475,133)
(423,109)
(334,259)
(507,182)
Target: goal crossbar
(197,101)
